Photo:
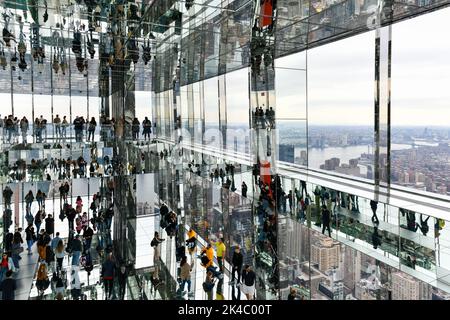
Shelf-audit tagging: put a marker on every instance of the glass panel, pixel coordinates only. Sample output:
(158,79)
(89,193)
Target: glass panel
(237,112)
(340,128)
(420,76)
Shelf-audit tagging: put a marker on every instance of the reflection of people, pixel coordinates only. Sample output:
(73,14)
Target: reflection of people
(439,225)
(317,202)
(292,294)
(237,261)
(411,262)
(185,274)
(8,286)
(303,186)
(221,250)
(207,256)
(157,253)
(244,189)
(373,206)
(191,242)
(326,220)
(424,225)
(376,238)
(208,285)
(248,282)
(411,221)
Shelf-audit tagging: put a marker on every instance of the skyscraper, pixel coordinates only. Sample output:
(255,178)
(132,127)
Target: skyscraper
(405,287)
(325,253)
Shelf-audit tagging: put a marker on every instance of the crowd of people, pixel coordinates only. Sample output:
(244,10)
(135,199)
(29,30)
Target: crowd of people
(84,223)
(68,168)
(212,258)
(12,128)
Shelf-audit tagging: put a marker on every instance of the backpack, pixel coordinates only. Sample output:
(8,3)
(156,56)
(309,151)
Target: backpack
(208,286)
(154,243)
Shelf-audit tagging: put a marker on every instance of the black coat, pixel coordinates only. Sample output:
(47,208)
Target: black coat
(76,245)
(237,259)
(29,234)
(17,237)
(8,286)
(72,214)
(50,225)
(8,241)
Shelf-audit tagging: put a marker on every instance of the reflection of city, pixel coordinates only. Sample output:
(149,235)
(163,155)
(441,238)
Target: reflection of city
(419,156)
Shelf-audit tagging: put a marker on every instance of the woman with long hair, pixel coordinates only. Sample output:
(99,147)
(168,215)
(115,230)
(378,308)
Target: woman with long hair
(59,254)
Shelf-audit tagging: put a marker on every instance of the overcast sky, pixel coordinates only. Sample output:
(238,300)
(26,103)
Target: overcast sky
(340,82)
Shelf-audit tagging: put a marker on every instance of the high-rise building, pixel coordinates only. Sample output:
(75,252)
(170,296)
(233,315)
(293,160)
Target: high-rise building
(325,253)
(231,120)
(352,267)
(405,287)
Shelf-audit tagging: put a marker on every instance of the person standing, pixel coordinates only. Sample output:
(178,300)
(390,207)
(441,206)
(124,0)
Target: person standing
(107,275)
(40,199)
(59,254)
(50,225)
(208,258)
(72,213)
(29,200)
(55,241)
(8,286)
(326,220)
(237,261)
(64,125)
(317,203)
(147,124)
(185,274)
(6,264)
(24,129)
(88,233)
(76,250)
(38,220)
(221,250)
(244,189)
(57,124)
(248,280)
(122,278)
(191,242)
(135,126)
(17,247)
(91,129)
(208,285)
(8,241)
(30,237)
(374,206)
(157,254)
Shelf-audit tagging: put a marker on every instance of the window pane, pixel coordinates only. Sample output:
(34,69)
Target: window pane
(341,104)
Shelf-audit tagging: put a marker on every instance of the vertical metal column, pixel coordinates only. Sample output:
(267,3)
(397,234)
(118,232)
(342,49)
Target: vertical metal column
(382,112)
(263,147)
